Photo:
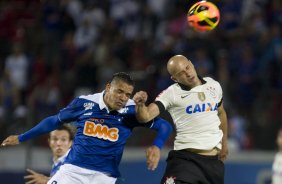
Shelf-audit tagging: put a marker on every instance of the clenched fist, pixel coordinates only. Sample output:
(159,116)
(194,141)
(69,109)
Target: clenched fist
(140,97)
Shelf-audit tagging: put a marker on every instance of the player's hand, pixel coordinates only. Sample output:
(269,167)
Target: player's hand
(35,178)
(153,155)
(140,97)
(11,140)
(224,151)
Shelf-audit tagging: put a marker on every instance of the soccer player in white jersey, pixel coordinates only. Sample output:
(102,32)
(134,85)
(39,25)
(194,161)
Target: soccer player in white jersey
(60,141)
(104,121)
(277,164)
(196,107)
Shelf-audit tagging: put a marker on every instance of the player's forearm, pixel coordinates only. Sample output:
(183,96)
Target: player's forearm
(142,113)
(164,129)
(46,125)
(223,126)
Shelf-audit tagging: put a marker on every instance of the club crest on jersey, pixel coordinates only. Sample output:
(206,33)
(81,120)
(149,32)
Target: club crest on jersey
(204,107)
(124,110)
(100,131)
(201,96)
(212,91)
(88,106)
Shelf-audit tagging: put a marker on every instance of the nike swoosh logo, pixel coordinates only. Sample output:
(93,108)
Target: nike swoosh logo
(184,96)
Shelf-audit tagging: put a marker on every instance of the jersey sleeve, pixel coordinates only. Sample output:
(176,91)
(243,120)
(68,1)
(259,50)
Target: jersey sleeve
(46,125)
(166,98)
(219,91)
(163,129)
(72,111)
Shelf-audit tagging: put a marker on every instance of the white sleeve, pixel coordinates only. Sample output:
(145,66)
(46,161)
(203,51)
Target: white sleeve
(219,90)
(166,98)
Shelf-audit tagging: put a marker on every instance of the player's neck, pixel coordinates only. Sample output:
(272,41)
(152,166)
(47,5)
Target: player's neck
(199,81)
(56,158)
(106,99)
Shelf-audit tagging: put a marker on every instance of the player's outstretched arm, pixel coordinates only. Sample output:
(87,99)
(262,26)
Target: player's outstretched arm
(35,178)
(11,141)
(153,153)
(144,113)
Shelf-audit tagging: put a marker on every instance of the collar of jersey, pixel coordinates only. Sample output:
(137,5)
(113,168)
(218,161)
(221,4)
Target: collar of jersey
(186,88)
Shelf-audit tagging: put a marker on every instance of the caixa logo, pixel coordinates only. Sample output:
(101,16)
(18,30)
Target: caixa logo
(204,107)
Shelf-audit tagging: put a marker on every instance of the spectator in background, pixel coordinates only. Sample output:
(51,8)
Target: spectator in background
(16,66)
(277,164)
(60,141)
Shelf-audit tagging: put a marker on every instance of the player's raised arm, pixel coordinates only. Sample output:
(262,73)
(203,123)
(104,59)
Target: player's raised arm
(145,113)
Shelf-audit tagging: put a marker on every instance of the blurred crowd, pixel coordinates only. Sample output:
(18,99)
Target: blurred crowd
(54,50)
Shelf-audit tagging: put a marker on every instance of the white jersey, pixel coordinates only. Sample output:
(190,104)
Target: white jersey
(194,113)
(277,169)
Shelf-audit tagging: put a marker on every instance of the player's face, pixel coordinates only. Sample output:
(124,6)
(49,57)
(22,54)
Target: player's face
(185,74)
(59,142)
(117,94)
(279,140)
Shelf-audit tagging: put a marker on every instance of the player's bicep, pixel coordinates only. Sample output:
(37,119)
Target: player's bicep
(220,108)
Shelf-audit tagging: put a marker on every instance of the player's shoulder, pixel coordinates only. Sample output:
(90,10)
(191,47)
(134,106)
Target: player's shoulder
(210,80)
(91,97)
(172,87)
(130,102)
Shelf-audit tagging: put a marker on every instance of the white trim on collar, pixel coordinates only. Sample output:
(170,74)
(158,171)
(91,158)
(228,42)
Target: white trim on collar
(102,104)
(62,158)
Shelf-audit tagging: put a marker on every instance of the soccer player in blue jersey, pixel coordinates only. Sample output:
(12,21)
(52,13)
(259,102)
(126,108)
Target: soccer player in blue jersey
(60,141)
(104,121)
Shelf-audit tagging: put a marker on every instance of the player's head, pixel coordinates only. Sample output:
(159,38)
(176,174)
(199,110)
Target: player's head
(182,71)
(279,139)
(60,140)
(118,91)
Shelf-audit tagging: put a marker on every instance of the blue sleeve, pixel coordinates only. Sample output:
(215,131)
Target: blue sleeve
(164,130)
(73,110)
(46,125)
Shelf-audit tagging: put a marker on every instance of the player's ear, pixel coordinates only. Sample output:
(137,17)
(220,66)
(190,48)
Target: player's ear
(174,79)
(108,86)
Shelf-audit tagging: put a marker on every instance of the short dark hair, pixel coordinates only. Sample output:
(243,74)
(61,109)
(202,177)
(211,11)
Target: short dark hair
(122,76)
(67,128)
